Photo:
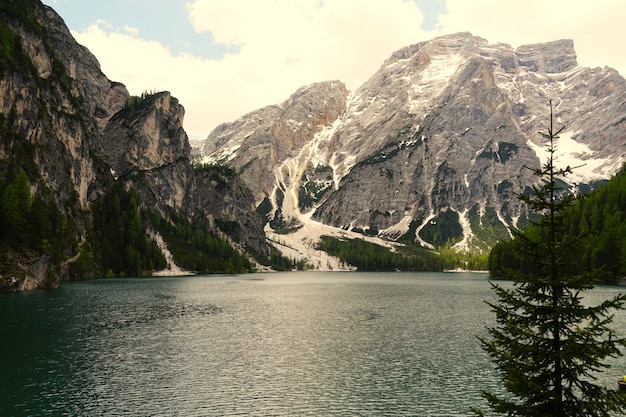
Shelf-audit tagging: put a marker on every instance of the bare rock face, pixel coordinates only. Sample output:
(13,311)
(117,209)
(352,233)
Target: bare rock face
(72,131)
(441,134)
(260,141)
(550,58)
(147,147)
(146,134)
(53,101)
(57,102)
(229,204)
(102,98)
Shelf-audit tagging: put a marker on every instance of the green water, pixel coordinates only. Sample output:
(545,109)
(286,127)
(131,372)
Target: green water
(289,344)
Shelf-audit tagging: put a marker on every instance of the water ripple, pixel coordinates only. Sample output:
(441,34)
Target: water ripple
(287,345)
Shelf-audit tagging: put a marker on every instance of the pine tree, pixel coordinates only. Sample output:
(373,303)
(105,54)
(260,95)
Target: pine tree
(547,344)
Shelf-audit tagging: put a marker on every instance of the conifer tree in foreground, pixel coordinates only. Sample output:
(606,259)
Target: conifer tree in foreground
(547,344)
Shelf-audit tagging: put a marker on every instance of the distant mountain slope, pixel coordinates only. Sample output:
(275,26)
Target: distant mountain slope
(433,146)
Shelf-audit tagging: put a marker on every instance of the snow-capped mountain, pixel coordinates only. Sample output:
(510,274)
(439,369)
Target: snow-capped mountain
(432,147)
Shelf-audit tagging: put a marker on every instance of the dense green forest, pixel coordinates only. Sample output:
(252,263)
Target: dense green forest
(31,225)
(116,243)
(120,244)
(597,220)
(446,231)
(366,256)
(197,250)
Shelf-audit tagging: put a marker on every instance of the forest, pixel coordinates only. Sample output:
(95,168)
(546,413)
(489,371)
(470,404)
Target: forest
(366,256)
(597,221)
(120,244)
(197,250)
(30,225)
(116,243)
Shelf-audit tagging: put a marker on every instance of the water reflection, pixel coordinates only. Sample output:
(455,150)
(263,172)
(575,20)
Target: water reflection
(275,344)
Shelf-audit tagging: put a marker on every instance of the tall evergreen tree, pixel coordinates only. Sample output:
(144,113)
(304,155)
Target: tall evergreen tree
(547,344)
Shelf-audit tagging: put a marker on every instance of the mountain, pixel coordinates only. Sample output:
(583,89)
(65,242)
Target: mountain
(96,182)
(431,148)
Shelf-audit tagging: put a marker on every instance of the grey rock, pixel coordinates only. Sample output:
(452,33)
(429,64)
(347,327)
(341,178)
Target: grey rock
(258,142)
(72,130)
(444,125)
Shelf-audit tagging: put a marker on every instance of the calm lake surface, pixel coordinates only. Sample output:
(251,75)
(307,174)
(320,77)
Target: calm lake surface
(283,344)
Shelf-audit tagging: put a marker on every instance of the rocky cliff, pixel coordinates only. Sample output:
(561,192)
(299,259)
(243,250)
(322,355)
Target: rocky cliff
(261,141)
(431,149)
(67,135)
(433,146)
(146,146)
(146,140)
(50,132)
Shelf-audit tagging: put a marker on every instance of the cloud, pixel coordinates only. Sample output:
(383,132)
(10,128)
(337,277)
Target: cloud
(596,27)
(277,46)
(281,45)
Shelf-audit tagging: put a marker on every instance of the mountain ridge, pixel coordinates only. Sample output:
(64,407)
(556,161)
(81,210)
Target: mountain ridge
(442,130)
(430,151)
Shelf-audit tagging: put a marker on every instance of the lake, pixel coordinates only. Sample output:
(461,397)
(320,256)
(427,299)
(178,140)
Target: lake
(276,344)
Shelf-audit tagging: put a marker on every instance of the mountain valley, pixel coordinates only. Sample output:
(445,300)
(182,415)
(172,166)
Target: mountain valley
(427,154)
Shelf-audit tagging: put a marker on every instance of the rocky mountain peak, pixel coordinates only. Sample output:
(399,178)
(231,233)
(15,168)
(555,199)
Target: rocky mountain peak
(146,134)
(260,141)
(551,57)
(433,145)
(103,98)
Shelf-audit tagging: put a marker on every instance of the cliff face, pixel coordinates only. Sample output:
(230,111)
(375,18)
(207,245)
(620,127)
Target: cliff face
(229,204)
(259,142)
(66,133)
(433,146)
(147,148)
(146,134)
(146,140)
(50,131)
(57,115)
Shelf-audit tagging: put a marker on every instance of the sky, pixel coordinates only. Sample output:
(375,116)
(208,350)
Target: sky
(225,58)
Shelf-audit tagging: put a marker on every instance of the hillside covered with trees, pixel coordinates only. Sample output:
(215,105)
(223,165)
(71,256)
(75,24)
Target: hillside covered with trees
(598,222)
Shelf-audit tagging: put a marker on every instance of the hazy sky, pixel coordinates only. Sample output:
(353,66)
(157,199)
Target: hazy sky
(224,58)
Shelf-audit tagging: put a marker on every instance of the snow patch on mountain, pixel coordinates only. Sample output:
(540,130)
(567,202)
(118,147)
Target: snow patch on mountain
(172,269)
(464,244)
(223,155)
(399,228)
(426,86)
(587,166)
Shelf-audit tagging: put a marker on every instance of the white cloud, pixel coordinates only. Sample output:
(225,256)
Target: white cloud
(281,46)
(596,27)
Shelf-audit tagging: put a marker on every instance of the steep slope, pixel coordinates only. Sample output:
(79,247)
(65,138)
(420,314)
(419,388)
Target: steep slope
(261,141)
(147,147)
(52,100)
(50,124)
(85,169)
(146,140)
(434,144)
